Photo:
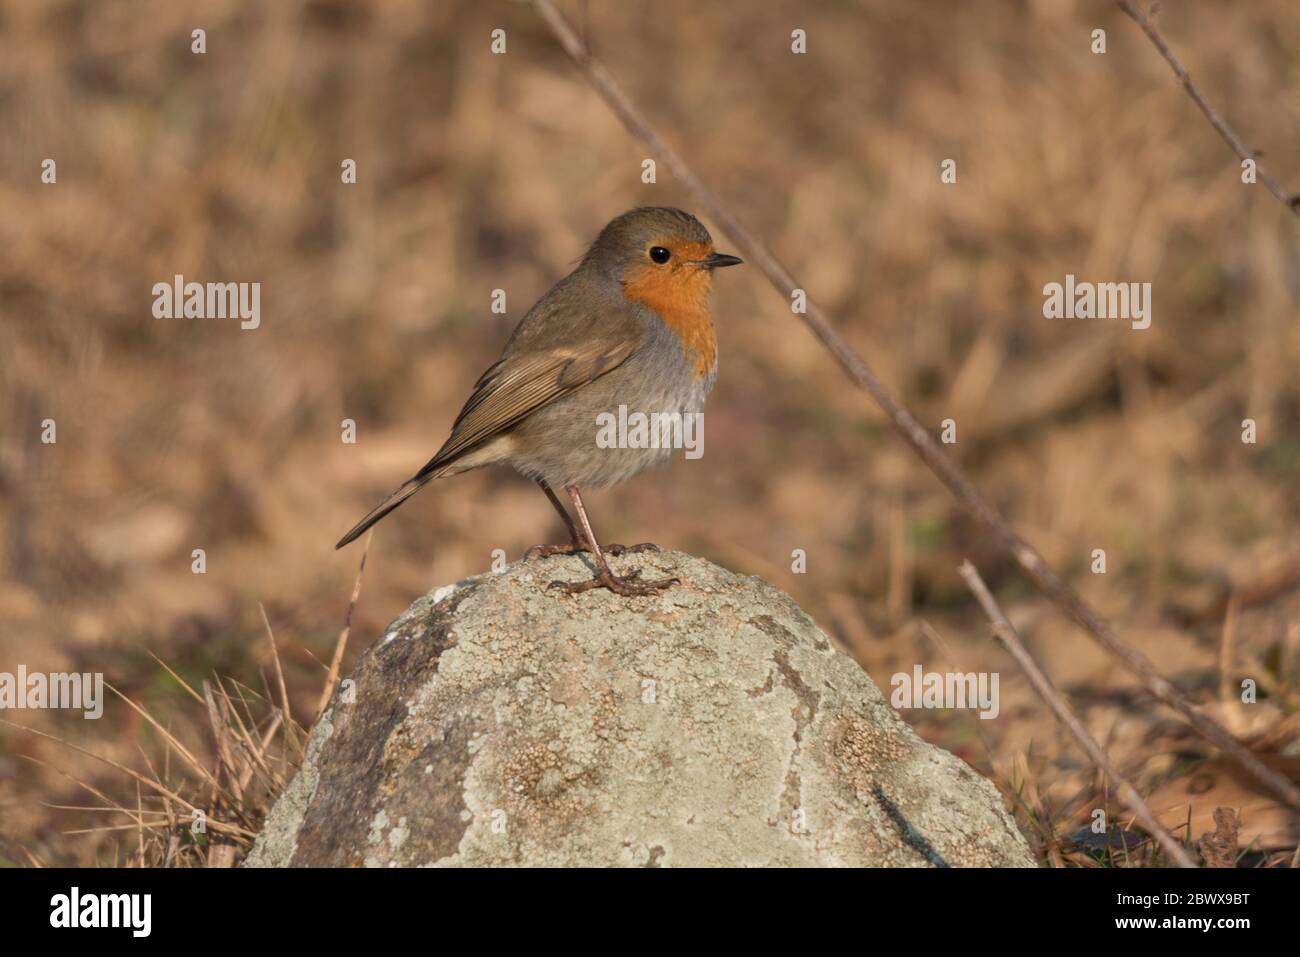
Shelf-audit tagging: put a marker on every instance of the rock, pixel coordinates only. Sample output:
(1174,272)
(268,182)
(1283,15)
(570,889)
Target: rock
(497,722)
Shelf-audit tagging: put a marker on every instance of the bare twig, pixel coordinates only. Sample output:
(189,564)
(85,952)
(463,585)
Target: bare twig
(279,678)
(174,742)
(222,734)
(139,834)
(1220,125)
(222,855)
(1031,563)
(154,785)
(1227,644)
(1006,634)
(332,678)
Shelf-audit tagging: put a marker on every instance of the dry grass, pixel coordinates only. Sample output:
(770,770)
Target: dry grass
(481,172)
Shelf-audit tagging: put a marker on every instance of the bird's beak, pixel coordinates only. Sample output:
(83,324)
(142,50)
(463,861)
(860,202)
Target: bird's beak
(714,260)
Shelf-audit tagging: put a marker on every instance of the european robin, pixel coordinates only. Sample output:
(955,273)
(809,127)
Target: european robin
(630,326)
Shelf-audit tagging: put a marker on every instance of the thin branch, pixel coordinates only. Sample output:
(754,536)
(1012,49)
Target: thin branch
(155,785)
(279,677)
(1220,125)
(332,678)
(173,742)
(912,432)
(1006,634)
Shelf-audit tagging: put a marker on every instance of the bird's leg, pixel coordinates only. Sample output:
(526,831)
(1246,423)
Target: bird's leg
(576,542)
(605,577)
(575,535)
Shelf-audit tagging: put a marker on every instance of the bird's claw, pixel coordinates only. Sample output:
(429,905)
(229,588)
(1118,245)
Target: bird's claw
(545,551)
(617,550)
(628,585)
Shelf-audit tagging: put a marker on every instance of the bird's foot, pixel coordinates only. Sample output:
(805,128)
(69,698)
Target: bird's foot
(617,550)
(627,585)
(545,551)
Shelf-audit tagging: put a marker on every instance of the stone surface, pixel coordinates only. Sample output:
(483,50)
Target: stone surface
(497,722)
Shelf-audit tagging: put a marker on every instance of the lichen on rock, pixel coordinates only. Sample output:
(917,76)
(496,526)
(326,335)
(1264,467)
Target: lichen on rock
(500,723)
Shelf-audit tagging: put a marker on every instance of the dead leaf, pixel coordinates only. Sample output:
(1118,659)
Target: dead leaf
(1219,849)
(1265,824)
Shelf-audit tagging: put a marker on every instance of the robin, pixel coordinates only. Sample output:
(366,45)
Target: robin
(629,327)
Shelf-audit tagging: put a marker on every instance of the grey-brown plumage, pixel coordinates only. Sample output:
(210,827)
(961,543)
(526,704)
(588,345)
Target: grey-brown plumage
(623,329)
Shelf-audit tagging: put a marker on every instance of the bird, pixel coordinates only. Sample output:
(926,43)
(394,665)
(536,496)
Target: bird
(631,327)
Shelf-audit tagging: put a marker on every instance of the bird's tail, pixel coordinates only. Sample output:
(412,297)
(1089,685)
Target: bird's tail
(409,488)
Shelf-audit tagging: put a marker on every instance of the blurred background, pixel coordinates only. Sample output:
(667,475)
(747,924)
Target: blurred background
(477,172)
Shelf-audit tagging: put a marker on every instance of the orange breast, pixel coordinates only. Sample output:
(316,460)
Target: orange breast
(679,295)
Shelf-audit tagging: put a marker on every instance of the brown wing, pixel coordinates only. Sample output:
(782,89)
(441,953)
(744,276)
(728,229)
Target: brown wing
(515,386)
(541,364)
(524,382)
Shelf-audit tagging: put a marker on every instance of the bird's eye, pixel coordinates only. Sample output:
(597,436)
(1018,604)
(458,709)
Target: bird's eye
(659,254)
